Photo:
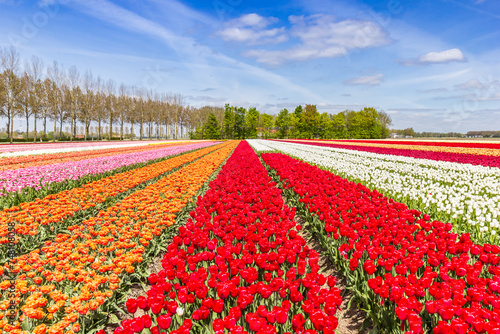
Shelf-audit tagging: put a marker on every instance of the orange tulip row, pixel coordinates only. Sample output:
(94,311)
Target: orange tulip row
(77,272)
(31,217)
(443,149)
(55,158)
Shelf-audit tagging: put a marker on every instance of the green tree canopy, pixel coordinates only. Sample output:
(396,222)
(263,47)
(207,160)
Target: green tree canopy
(310,120)
(283,123)
(212,130)
(252,120)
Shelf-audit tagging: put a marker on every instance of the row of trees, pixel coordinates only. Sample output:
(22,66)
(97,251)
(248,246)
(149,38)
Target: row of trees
(234,123)
(37,92)
(485,134)
(307,122)
(409,132)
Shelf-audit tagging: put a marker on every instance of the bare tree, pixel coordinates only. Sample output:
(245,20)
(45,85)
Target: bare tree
(10,61)
(35,69)
(56,75)
(99,104)
(139,109)
(24,102)
(123,105)
(87,102)
(73,79)
(110,104)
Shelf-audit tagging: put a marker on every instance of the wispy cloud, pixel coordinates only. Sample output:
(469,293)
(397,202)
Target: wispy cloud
(370,80)
(433,90)
(476,84)
(207,99)
(441,57)
(252,29)
(321,36)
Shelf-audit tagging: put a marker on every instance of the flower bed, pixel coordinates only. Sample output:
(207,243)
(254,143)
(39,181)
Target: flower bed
(410,273)
(7,150)
(473,159)
(35,178)
(55,158)
(467,196)
(431,148)
(476,144)
(36,221)
(238,265)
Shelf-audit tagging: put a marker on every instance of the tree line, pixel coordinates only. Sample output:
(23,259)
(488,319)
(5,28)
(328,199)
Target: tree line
(34,91)
(304,122)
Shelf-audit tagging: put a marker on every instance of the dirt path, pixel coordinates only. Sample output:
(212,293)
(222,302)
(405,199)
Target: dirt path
(350,321)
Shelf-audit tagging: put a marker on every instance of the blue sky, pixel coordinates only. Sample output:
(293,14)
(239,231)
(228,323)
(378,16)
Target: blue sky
(432,65)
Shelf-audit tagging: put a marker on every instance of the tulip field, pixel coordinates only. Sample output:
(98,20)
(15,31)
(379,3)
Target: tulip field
(413,228)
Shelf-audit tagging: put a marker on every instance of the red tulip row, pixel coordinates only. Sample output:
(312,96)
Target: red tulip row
(238,265)
(473,159)
(426,143)
(410,273)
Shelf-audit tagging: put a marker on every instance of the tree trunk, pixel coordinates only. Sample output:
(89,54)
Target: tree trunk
(60,127)
(27,128)
(11,113)
(110,126)
(121,127)
(34,115)
(87,125)
(99,129)
(45,127)
(55,124)
(75,126)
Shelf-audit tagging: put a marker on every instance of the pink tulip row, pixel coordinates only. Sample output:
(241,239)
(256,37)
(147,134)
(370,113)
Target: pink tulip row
(41,176)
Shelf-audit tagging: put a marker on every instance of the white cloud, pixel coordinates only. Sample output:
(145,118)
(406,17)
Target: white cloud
(253,20)
(250,29)
(320,36)
(475,84)
(442,57)
(251,36)
(433,90)
(371,80)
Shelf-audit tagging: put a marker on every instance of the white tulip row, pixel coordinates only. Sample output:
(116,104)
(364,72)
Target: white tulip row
(466,195)
(259,145)
(62,149)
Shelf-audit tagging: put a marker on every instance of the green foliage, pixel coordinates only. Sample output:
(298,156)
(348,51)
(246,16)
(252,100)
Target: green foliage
(252,120)
(325,126)
(266,124)
(338,126)
(239,123)
(304,122)
(212,130)
(310,121)
(283,123)
(229,122)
